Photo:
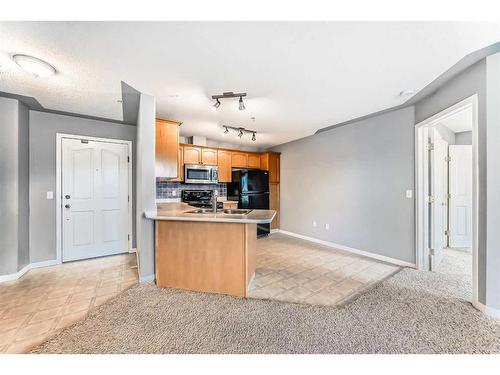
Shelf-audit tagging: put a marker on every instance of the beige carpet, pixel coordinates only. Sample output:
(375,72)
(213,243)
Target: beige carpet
(412,312)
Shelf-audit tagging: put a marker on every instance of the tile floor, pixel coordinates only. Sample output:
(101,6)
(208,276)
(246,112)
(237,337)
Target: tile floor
(294,270)
(45,300)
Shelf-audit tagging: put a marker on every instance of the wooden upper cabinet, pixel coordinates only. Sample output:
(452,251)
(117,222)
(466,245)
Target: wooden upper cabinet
(180,169)
(224,165)
(274,167)
(239,159)
(166,149)
(254,161)
(192,155)
(264,161)
(209,156)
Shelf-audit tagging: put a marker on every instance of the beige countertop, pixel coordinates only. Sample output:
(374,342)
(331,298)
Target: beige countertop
(178,212)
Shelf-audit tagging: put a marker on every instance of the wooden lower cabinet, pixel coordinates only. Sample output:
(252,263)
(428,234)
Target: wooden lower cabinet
(205,256)
(274,203)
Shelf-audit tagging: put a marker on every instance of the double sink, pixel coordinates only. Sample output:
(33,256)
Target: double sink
(224,211)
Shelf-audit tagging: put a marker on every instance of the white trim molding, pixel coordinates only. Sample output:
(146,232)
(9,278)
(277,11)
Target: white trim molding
(367,254)
(147,279)
(487,310)
(26,268)
(421,213)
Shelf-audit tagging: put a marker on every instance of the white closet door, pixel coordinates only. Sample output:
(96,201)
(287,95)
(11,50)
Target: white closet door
(460,196)
(94,199)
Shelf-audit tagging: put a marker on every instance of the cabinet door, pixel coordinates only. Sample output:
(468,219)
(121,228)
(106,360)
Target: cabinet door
(209,156)
(274,203)
(239,159)
(274,167)
(254,161)
(167,143)
(224,165)
(192,155)
(264,161)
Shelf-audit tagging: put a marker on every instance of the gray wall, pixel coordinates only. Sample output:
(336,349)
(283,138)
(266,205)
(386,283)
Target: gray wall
(8,185)
(354,178)
(493,183)
(146,185)
(463,138)
(23,256)
(42,135)
(471,81)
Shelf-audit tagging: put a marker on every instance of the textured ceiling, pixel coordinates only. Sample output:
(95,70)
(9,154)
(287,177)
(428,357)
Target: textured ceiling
(299,76)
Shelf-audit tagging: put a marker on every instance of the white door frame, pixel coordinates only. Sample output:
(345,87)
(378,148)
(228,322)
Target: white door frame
(421,185)
(59,138)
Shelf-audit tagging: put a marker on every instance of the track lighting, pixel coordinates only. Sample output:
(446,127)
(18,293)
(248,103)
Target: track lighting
(228,95)
(240,131)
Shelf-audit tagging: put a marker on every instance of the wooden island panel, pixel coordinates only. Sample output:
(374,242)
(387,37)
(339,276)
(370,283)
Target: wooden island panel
(205,256)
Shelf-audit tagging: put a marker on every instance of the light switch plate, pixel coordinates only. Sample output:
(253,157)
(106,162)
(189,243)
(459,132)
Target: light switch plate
(50,195)
(174,193)
(409,193)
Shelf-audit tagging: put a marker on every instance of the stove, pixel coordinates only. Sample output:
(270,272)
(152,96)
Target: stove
(199,198)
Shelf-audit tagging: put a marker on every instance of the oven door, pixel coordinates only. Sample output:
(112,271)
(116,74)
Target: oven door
(197,174)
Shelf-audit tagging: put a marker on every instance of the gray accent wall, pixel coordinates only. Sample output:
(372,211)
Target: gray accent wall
(23,198)
(353,178)
(43,127)
(9,185)
(471,81)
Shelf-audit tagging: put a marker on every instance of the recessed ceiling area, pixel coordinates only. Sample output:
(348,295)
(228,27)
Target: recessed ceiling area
(459,122)
(298,76)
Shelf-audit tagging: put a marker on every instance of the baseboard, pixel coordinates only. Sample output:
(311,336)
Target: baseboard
(351,250)
(147,279)
(487,310)
(274,231)
(26,268)
(132,250)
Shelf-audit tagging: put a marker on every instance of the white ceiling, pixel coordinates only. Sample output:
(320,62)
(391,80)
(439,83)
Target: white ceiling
(459,122)
(299,76)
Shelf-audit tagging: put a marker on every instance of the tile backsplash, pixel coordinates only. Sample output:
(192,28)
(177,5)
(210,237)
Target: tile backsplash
(168,189)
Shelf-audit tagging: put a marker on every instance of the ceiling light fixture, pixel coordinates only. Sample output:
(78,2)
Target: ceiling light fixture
(407,93)
(240,131)
(228,95)
(32,65)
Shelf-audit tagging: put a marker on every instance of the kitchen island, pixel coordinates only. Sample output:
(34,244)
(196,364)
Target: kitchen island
(206,252)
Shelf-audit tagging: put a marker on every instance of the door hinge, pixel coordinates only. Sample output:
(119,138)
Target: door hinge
(84,140)
(430,251)
(129,237)
(448,196)
(128,159)
(430,199)
(447,158)
(430,146)
(447,233)
(128,198)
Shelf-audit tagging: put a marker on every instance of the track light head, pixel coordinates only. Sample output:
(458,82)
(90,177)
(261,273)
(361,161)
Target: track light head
(242,106)
(226,130)
(253,137)
(216,104)
(240,134)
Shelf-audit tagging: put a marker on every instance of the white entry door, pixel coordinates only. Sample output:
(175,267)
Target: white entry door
(438,177)
(94,199)
(460,196)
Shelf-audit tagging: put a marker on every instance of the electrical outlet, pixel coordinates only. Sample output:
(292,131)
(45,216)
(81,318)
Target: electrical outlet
(327,226)
(50,195)
(174,193)
(315,224)
(409,193)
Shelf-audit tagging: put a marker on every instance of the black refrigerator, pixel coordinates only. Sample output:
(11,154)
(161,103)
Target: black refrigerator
(250,187)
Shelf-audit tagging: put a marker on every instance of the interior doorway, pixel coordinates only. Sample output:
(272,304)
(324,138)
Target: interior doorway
(446,174)
(93,197)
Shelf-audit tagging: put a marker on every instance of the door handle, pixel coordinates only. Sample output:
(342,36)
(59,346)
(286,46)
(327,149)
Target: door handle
(67,196)
(67,205)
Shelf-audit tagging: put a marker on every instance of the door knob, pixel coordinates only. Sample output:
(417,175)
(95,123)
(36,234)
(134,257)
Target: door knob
(67,205)
(67,196)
